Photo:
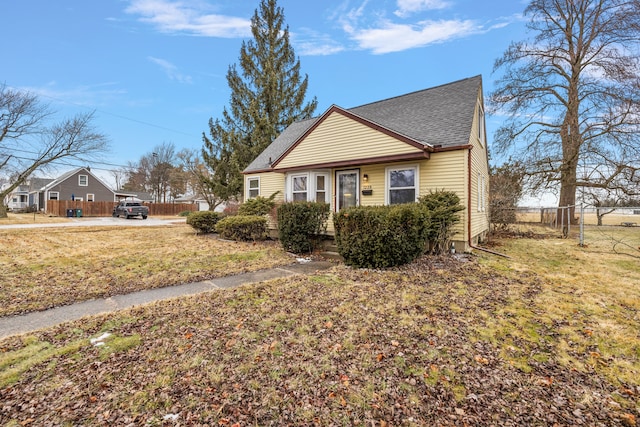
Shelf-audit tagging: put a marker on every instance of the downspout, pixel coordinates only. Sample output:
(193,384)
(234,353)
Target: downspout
(469,197)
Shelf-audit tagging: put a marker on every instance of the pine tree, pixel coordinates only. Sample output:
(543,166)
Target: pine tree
(267,95)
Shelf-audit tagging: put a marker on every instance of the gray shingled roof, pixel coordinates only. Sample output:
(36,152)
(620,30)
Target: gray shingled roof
(438,116)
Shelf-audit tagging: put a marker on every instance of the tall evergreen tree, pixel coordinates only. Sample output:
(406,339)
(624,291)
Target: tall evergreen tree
(267,95)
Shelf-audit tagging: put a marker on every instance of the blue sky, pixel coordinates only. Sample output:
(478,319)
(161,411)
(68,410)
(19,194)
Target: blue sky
(154,70)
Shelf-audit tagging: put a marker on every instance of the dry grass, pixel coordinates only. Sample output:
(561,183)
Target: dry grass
(30,218)
(547,337)
(588,303)
(41,268)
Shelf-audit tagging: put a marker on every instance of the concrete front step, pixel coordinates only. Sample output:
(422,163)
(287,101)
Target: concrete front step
(328,254)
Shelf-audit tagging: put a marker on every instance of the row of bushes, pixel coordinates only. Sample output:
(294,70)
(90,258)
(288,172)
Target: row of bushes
(387,236)
(240,227)
(373,236)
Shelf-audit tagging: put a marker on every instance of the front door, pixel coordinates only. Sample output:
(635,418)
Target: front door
(348,188)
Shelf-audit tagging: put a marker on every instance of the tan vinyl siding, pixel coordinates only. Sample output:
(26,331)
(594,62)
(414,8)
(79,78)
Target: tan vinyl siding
(376,175)
(270,182)
(479,165)
(447,171)
(339,138)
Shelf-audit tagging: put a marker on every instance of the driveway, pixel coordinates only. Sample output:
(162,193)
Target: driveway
(102,222)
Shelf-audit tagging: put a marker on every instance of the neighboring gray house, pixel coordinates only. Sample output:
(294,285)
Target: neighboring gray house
(79,184)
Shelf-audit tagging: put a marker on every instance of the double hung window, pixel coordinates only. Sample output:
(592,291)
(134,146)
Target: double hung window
(310,186)
(254,187)
(402,184)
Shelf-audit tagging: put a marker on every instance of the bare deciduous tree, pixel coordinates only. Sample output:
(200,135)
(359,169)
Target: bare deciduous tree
(28,142)
(572,94)
(198,177)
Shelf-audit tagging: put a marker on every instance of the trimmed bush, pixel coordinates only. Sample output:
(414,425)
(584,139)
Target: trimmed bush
(203,221)
(243,228)
(382,236)
(300,225)
(258,205)
(443,207)
(185,213)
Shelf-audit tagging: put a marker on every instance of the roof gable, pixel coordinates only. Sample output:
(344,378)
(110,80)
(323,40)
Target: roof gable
(65,176)
(336,114)
(431,119)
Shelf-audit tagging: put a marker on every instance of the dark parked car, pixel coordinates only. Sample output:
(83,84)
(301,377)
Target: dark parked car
(127,209)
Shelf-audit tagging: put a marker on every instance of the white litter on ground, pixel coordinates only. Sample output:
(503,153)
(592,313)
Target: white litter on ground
(100,340)
(303,260)
(170,417)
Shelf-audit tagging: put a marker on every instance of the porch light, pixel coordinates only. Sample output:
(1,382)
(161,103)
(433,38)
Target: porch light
(365,177)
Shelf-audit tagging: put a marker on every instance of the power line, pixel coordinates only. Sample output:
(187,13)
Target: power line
(113,114)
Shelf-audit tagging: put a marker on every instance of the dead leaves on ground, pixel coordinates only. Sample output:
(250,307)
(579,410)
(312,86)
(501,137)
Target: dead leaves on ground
(345,347)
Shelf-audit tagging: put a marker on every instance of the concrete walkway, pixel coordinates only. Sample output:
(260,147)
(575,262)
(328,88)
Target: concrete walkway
(30,322)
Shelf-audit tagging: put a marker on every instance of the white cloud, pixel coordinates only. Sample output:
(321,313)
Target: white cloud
(407,7)
(186,17)
(391,37)
(171,70)
(308,42)
(83,95)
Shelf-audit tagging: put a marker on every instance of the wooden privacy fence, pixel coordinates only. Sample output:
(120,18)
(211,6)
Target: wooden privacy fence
(60,208)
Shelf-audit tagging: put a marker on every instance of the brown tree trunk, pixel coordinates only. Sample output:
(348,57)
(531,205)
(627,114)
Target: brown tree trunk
(568,191)
(3,210)
(571,139)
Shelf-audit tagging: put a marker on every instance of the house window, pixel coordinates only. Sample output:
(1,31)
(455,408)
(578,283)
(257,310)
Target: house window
(254,187)
(83,180)
(402,185)
(481,193)
(54,195)
(308,187)
(90,197)
(480,124)
(321,188)
(299,190)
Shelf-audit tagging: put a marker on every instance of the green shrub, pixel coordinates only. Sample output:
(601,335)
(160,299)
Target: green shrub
(300,225)
(443,207)
(203,221)
(185,213)
(382,236)
(243,227)
(258,205)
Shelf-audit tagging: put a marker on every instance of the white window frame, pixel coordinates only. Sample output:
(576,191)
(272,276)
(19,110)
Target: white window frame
(249,189)
(481,192)
(91,197)
(387,181)
(51,193)
(326,190)
(312,182)
(481,124)
(306,190)
(86,180)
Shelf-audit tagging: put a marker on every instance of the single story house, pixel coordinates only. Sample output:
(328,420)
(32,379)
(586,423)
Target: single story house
(78,184)
(386,152)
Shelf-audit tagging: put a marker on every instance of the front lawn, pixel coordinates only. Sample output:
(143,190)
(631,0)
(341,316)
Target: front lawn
(47,267)
(538,339)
